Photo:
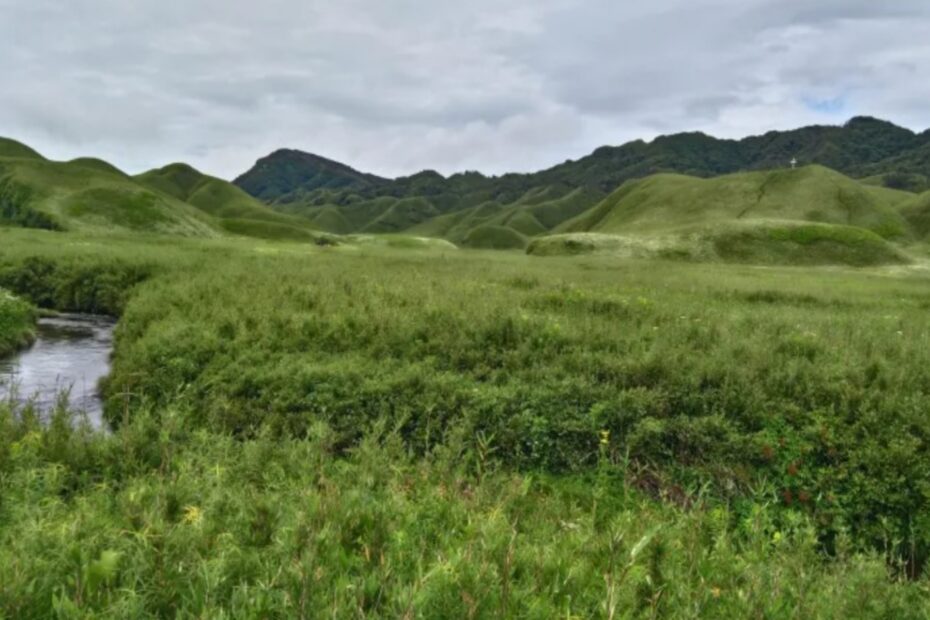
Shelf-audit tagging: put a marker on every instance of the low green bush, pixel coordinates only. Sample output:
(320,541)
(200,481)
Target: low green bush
(17,319)
(158,520)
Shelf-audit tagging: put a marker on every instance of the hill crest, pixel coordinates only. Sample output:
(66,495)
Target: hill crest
(288,171)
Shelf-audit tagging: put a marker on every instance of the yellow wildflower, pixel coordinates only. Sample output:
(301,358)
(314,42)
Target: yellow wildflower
(193,515)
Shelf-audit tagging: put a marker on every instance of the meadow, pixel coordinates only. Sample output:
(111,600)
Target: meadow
(409,430)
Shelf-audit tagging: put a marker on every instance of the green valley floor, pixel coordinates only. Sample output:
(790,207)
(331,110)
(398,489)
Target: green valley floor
(407,430)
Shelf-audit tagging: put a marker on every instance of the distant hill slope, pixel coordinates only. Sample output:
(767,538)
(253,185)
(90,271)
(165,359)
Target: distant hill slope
(811,194)
(652,205)
(78,196)
(760,242)
(288,171)
(909,170)
(97,164)
(812,215)
(917,212)
(234,210)
(340,199)
(12,148)
(863,147)
(91,194)
(536,212)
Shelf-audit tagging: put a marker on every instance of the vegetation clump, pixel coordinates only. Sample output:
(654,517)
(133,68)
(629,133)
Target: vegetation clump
(806,244)
(160,520)
(757,242)
(494,238)
(17,319)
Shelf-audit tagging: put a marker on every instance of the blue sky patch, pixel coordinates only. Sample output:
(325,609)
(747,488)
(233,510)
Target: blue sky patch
(835,105)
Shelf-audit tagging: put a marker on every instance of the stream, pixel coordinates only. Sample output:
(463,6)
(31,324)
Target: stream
(71,355)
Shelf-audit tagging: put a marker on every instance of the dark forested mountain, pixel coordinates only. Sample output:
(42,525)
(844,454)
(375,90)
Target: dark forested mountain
(286,171)
(341,199)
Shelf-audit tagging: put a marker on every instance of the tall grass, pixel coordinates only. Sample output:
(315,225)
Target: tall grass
(17,319)
(484,433)
(161,520)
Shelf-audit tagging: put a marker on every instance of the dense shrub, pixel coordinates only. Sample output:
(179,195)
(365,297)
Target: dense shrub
(16,322)
(161,521)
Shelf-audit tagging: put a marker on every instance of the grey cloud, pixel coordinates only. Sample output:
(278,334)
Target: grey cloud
(395,86)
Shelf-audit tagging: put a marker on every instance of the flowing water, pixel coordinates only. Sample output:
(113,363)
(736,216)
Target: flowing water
(70,356)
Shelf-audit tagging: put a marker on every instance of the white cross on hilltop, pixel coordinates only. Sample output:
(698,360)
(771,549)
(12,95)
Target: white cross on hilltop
(794,163)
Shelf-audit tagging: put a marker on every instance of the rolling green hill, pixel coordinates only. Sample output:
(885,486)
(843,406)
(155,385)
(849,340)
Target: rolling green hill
(234,210)
(658,182)
(78,196)
(863,147)
(533,213)
(759,242)
(538,212)
(306,195)
(812,194)
(917,213)
(401,215)
(89,194)
(97,164)
(811,215)
(12,148)
(758,213)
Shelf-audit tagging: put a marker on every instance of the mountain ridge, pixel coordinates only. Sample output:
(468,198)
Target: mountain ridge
(876,151)
(286,170)
(675,181)
(857,148)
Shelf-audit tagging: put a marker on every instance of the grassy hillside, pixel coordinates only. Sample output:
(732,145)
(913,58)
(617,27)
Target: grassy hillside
(762,213)
(780,243)
(89,194)
(917,212)
(235,211)
(533,213)
(401,215)
(12,148)
(98,165)
(812,194)
(83,195)
(863,147)
(807,216)
(759,242)
(884,155)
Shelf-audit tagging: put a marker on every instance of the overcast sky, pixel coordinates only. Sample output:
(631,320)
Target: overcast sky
(397,86)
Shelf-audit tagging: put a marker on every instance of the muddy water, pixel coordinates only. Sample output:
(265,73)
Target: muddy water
(70,356)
